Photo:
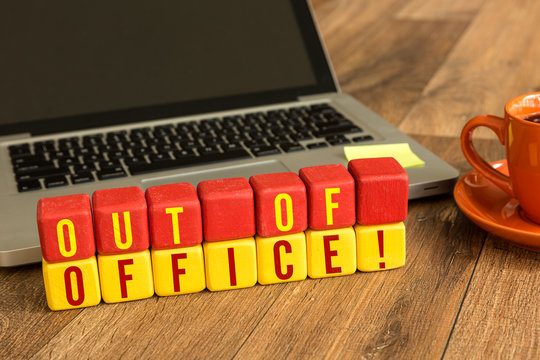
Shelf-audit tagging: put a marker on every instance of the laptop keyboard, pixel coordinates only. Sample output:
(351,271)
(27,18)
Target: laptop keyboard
(76,160)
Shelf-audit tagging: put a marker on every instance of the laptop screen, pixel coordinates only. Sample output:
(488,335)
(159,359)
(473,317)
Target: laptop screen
(70,65)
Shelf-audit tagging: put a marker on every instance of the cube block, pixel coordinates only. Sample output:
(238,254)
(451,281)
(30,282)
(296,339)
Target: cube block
(331,196)
(174,215)
(382,188)
(66,231)
(230,264)
(126,277)
(331,252)
(178,271)
(281,258)
(228,209)
(280,203)
(71,284)
(121,220)
(380,247)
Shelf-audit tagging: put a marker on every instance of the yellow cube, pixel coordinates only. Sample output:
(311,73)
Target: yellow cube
(71,284)
(380,247)
(178,271)
(230,264)
(126,277)
(331,252)
(281,258)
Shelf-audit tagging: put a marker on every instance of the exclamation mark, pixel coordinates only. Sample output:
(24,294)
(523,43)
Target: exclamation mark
(232,266)
(380,236)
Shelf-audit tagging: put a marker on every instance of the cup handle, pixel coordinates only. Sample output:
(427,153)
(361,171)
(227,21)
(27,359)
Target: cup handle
(497,125)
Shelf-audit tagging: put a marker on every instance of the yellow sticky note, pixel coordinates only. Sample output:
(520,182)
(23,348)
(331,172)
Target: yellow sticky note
(401,152)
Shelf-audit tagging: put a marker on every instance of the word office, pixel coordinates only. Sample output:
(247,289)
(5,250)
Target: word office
(225,234)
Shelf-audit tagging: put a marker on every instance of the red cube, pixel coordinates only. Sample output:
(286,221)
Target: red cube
(382,190)
(121,220)
(280,203)
(228,209)
(65,228)
(331,196)
(174,214)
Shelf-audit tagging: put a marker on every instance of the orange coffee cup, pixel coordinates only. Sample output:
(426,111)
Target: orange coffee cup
(521,138)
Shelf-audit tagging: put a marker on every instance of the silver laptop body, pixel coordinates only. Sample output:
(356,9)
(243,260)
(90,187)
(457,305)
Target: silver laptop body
(19,242)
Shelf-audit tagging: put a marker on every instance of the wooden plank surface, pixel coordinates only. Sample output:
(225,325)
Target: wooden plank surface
(500,318)
(427,66)
(381,59)
(495,60)
(26,323)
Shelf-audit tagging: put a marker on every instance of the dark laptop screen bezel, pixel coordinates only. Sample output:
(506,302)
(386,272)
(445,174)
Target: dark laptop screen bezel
(324,84)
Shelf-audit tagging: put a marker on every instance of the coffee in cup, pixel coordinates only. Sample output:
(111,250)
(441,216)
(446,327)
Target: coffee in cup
(519,132)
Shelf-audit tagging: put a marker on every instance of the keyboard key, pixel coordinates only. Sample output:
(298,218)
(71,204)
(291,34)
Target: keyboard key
(184,153)
(186,145)
(141,151)
(254,143)
(110,173)
(93,140)
(28,185)
(84,151)
(161,157)
(134,160)
(264,150)
(68,161)
(208,150)
(231,147)
(362,138)
(117,155)
(91,158)
(44,146)
(317,145)
(22,168)
(105,164)
(42,173)
(55,181)
(19,150)
(82,177)
(68,143)
(337,140)
(27,159)
(82,168)
(336,130)
(291,146)
(303,135)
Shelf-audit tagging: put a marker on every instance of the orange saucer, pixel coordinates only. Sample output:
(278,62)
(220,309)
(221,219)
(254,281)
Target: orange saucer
(495,211)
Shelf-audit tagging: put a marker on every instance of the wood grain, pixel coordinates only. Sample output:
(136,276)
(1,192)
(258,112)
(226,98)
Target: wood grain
(494,61)
(500,318)
(442,9)
(207,324)
(26,323)
(380,59)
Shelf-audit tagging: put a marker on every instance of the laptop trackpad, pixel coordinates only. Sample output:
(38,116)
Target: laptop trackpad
(195,177)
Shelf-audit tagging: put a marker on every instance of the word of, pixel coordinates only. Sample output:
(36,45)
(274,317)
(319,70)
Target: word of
(253,231)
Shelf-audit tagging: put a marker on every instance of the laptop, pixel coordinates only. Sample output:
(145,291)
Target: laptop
(110,94)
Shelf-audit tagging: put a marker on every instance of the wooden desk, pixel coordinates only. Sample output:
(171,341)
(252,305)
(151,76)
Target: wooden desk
(426,66)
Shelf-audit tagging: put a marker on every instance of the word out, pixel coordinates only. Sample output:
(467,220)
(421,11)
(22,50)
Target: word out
(226,234)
